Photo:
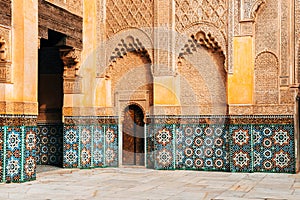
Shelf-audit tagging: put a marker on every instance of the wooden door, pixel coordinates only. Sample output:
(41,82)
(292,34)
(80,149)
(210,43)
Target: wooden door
(133,136)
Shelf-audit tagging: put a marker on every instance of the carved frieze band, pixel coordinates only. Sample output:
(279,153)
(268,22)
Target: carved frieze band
(5,72)
(28,108)
(88,111)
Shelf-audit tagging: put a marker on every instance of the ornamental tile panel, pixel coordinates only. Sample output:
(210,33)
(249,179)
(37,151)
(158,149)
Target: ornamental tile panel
(240,148)
(111,147)
(13,163)
(30,153)
(71,145)
(98,148)
(202,147)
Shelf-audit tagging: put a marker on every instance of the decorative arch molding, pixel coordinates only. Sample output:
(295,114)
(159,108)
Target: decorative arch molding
(267,52)
(255,7)
(205,35)
(132,103)
(124,42)
(250,8)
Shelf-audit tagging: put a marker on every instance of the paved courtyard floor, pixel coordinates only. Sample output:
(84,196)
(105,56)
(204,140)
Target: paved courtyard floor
(139,183)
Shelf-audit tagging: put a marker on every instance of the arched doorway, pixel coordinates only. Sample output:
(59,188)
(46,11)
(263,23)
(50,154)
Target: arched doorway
(133,136)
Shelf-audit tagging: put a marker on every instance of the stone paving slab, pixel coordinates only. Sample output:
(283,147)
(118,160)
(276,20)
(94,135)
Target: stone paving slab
(139,183)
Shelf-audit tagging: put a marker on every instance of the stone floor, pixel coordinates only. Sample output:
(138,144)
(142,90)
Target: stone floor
(139,183)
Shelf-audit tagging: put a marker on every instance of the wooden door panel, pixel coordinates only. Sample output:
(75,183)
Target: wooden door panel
(133,136)
(128,138)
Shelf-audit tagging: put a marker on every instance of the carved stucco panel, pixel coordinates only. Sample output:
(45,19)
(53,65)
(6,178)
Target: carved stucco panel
(266,28)
(122,14)
(266,78)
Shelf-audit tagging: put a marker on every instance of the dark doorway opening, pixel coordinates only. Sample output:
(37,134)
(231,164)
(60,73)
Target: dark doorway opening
(133,136)
(50,99)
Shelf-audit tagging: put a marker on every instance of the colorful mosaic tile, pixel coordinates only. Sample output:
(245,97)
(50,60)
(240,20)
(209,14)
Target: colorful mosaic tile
(164,146)
(85,135)
(273,148)
(50,144)
(263,148)
(13,162)
(240,148)
(91,145)
(71,145)
(98,146)
(30,153)
(111,147)
(202,147)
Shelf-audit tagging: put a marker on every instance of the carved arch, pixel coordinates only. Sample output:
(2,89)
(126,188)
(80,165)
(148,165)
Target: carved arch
(205,35)
(250,8)
(125,41)
(125,105)
(255,7)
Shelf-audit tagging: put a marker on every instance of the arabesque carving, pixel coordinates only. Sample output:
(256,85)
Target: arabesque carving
(71,59)
(5,65)
(189,12)
(122,14)
(266,78)
(3,49)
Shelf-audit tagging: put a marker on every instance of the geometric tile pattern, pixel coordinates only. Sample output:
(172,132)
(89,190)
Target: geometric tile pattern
(90,146)
(164,154)
(17,153)
(85,147)
(98,146)
(71,147)
(13,162)
(202,147)
(240,148)
(50,144)
(263,148)
(273,148)
(30,153)
(250,146)
(111,145)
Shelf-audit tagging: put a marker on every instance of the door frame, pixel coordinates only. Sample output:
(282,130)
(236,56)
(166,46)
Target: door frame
(124,99)
(144,133)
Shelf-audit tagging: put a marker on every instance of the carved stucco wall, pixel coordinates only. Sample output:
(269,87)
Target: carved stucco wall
(266,28)
(265,20)
(266,79)
(202,82)
(266,64)
(5,12)
(272,34)
(131,74)
(122,14)
(210,17)
(190,12)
